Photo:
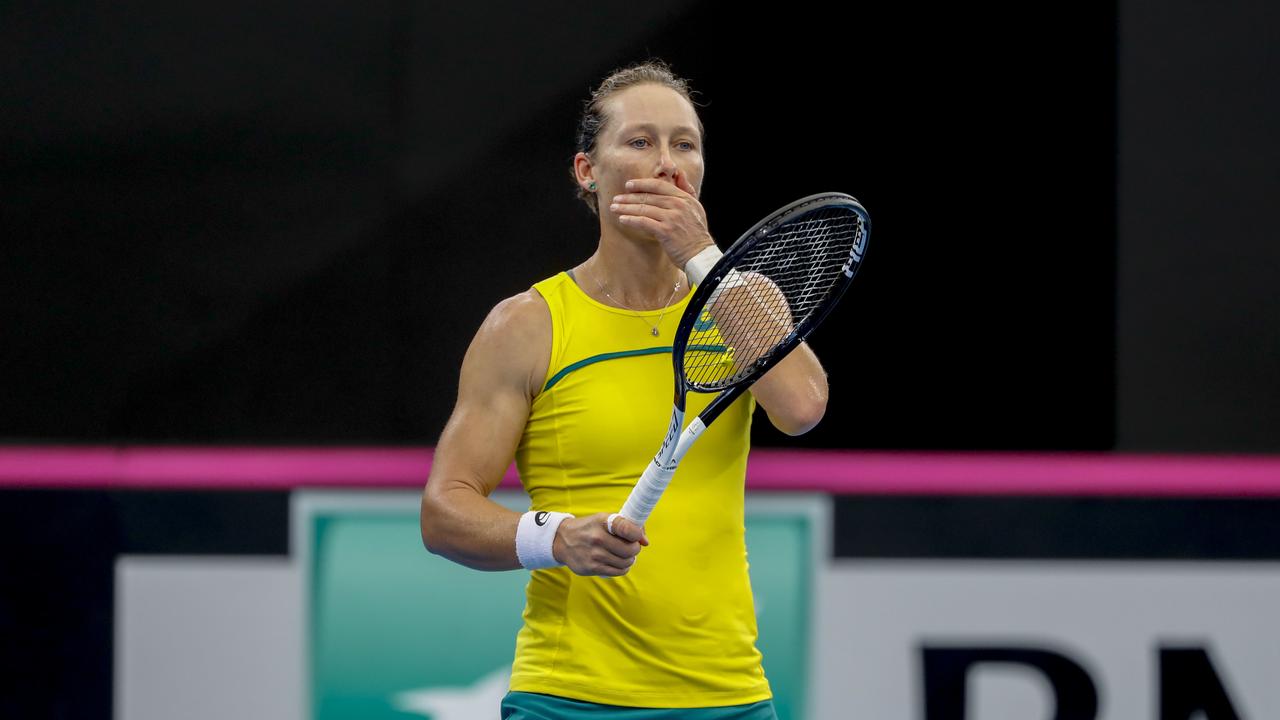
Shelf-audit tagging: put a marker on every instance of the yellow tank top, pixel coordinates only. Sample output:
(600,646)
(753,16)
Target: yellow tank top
(679,629)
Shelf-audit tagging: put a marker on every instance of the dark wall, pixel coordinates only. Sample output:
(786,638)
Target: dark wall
(1199,270)
(238,224)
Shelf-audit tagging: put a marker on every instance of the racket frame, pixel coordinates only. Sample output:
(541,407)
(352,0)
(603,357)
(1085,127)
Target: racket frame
(675,443)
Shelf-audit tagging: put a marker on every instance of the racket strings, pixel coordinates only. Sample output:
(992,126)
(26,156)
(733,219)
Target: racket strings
(782,280)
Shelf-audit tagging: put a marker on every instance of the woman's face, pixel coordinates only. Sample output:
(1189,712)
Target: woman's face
(650,131)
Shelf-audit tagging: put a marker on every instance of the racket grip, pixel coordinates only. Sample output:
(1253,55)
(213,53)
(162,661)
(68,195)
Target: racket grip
(644,496)
(655,478)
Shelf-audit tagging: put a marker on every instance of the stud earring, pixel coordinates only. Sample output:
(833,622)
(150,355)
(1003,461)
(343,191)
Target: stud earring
(592,186)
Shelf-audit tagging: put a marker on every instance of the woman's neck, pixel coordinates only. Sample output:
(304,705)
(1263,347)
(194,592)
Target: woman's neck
(635,275)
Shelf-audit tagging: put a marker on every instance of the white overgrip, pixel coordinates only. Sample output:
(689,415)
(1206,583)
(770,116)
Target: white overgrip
(655,478)
(644,496)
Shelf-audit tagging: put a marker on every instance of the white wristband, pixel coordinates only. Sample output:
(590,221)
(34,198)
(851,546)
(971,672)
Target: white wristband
(534,537)
(699,265)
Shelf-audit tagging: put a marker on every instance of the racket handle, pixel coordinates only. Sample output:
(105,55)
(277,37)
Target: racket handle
(644,496)
(655,478)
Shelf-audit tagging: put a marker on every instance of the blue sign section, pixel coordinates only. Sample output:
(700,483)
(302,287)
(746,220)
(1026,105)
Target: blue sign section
(396,632)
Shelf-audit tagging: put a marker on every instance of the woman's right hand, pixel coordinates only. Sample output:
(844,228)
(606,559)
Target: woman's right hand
(586,546)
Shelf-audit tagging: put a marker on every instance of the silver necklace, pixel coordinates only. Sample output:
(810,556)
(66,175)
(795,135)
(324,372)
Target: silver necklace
(665,308)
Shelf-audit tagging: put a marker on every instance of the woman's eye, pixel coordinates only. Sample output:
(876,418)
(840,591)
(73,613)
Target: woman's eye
(686,145)
(638,140)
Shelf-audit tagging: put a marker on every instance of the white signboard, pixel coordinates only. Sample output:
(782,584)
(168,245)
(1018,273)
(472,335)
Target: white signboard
(1033,640)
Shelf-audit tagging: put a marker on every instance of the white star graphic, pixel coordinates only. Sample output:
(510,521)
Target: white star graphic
(478,700)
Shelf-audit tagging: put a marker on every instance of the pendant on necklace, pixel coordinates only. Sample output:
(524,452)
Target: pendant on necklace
(655,332)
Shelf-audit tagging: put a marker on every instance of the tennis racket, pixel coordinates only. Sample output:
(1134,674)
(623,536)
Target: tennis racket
(755,305)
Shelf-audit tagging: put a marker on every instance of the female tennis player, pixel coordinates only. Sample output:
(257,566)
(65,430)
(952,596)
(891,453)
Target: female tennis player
(573,379)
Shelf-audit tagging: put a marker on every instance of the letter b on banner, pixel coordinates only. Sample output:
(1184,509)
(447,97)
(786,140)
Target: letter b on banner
(946,673)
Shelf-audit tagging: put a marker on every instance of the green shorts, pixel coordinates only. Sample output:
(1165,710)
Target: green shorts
(536,706)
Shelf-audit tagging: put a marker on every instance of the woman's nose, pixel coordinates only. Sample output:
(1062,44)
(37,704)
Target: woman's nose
(668,166)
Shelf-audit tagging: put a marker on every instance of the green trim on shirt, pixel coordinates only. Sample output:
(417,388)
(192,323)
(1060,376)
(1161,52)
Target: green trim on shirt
(621,354)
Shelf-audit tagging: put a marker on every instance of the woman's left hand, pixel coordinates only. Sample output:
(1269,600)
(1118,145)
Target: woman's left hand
(669,212)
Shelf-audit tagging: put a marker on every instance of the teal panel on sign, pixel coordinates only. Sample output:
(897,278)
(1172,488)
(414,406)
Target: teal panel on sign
(396,632)
(781,556)
(390,619)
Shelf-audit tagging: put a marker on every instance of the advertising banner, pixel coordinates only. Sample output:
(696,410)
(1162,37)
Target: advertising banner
(1085,640)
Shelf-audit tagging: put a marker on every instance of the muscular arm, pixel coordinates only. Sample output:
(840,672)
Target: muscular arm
(458,520)
(794,392)
(501,373)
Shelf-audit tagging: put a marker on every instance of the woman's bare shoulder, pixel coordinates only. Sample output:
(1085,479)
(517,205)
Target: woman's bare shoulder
(515,340)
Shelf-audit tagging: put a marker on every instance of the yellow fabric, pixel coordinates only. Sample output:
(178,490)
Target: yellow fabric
(678,630)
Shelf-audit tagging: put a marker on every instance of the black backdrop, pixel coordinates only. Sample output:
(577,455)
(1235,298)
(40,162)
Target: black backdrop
(236,224)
